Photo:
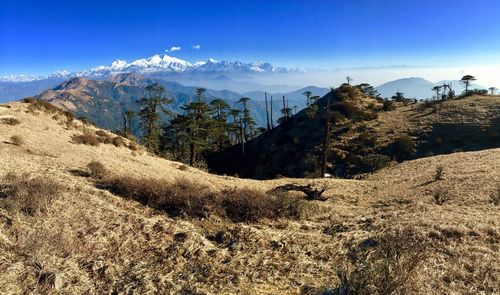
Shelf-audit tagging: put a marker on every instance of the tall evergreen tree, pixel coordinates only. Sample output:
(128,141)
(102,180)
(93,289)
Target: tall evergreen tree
(151,106)
(220,112)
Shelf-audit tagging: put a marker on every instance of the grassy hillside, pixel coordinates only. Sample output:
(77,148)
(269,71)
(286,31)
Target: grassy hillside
(366,136)
(426,226)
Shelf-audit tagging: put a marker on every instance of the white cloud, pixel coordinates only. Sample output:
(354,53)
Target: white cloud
(197,47)
(166,50)
(175,48)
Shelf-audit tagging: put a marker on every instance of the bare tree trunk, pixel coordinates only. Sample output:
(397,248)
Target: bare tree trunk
(284,109)
(192,154)
(242,138)
(326,139)
(272,122)
(267,112)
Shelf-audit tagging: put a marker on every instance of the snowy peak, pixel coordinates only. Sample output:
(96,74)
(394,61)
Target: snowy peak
(159,64)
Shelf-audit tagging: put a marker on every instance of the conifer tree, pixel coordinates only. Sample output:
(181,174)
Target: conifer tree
(151,106)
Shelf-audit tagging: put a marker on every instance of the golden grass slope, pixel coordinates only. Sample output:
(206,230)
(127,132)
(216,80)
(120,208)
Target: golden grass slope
(92,242)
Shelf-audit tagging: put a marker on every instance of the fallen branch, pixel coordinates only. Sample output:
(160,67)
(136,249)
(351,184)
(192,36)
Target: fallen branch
(311,192)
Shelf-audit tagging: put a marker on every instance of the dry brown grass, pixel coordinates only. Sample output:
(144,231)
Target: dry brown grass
(23,193)
(250,205)
(16,140)
(384,264)
(92,242)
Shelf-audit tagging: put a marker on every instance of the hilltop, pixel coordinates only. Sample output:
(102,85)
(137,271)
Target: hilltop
(367,134)
(444,227)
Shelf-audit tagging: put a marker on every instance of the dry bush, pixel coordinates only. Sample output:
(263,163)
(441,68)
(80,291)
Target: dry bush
(88,139)
(439,175)
(103,137)
(96,170)
(133,146)
(188,198)
(42,105)
(118,141)
(16,140)
(22,193)
(10,121)
(182,197)
(388,105)
(495,197)
(183,167)
(248,205)
(384,264)
(441,196)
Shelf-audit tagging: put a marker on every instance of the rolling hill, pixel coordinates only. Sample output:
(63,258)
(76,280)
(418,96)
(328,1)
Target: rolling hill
(364,136)
(89,239)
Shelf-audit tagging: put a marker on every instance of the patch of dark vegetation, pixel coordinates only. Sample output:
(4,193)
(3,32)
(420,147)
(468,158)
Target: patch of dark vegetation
(311,192)
(10,121)
(388,105)
(26,194)
(178,198)
(86,138)
(118,141)
(187,198)
(16,140)
(96,170)
(442,196)
(403,148)
(495,197)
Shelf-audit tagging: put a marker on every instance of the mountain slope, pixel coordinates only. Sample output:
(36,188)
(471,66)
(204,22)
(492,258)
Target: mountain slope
(104,101)
(92,241)
(364,137)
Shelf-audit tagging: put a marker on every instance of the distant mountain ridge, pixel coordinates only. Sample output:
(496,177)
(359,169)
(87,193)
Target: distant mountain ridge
(103,101)
(159,64)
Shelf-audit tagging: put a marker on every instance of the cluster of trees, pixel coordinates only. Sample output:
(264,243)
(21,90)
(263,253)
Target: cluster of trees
(204,126)
(445,91)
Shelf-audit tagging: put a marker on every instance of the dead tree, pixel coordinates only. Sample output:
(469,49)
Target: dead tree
(311,192)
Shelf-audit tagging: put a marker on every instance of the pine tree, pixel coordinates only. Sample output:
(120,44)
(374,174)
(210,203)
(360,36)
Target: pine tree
(220,112)
(149,114)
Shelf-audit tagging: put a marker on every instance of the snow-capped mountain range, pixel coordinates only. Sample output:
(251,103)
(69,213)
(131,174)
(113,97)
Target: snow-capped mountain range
(159,64)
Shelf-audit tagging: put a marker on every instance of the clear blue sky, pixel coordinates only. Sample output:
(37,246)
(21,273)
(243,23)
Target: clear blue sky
(42,36)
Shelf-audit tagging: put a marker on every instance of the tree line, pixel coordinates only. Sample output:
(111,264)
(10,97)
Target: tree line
(204,126)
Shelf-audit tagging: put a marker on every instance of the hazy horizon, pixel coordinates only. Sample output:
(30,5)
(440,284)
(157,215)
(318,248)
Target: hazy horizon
(373,42)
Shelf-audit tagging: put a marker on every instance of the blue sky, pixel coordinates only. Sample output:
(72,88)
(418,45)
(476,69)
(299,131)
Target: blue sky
(38,37)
